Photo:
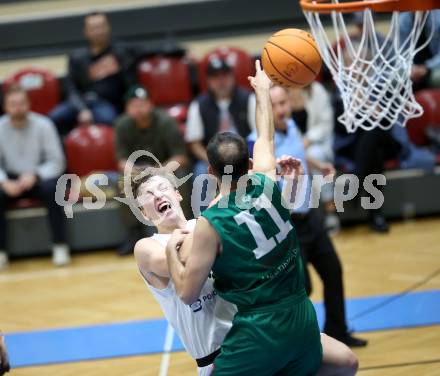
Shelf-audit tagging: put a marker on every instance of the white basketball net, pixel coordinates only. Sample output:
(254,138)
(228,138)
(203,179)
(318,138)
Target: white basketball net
(371,72)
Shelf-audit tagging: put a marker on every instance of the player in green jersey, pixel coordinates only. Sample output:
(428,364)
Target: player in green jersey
(249,242)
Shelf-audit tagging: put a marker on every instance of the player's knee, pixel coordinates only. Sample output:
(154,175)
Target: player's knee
(351,362)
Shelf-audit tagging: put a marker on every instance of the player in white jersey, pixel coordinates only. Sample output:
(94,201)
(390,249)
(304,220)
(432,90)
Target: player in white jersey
(202,325)
(200,333)
(199,327)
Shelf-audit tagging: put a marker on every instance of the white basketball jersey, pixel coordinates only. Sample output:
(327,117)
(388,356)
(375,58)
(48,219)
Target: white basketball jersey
(201,326)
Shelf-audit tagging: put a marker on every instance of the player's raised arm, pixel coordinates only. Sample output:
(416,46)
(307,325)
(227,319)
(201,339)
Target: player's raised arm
(264,153)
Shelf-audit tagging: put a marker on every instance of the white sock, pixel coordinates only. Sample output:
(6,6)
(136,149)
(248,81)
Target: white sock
(4,260)
(60,254)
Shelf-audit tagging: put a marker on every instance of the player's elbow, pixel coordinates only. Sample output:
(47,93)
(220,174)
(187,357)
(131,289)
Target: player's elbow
(187,298)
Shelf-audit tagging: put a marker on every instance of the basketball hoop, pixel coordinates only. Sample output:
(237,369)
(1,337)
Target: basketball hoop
(372,72)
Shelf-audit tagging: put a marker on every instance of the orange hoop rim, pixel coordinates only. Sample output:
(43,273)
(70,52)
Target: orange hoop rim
(323,6)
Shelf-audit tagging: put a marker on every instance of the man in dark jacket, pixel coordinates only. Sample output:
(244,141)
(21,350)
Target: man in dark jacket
(97,75)
(225,107)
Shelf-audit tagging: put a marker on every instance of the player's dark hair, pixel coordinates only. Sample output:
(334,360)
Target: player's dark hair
(228,149)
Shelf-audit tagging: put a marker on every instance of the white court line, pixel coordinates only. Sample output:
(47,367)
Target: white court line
(69,271)
(167,346)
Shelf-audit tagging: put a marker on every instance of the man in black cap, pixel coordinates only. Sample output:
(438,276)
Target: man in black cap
(144,127)
(225,107)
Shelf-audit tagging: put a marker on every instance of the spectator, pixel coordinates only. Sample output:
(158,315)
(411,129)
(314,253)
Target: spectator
(354,151)
(316,246)
(425,71)
(355,25)
(366,152)
(143,127)
(31,160)
(224,107)
(313,114)
(97,75)
(4,361)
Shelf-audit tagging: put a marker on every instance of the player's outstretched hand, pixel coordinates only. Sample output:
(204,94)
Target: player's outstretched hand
(4,361)
(289,167)
(260,81)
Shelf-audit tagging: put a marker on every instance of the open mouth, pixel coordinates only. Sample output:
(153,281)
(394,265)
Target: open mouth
(163,207)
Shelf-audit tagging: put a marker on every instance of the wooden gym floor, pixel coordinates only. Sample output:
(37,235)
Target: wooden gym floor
(100,288)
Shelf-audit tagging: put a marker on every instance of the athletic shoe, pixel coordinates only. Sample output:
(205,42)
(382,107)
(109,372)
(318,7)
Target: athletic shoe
(60,255)
(351,341)
(4,260)
(332,223)
(379,224)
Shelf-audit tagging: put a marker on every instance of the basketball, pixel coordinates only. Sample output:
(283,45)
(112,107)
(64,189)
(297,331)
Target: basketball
(291,58)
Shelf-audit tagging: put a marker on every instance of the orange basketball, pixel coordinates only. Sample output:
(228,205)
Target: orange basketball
(291,58)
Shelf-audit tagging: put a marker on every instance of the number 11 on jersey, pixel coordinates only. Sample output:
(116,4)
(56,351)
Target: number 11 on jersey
(264,245)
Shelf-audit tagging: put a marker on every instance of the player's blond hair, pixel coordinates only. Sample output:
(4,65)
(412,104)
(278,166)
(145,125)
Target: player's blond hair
(140,175)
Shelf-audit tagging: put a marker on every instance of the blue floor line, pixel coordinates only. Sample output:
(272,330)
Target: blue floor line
(147,337)
(86,343)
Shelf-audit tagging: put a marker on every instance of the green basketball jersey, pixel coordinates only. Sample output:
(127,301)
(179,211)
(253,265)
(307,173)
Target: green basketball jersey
(260,261)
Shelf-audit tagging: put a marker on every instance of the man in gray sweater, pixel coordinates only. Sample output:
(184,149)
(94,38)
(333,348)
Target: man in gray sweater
(31,160)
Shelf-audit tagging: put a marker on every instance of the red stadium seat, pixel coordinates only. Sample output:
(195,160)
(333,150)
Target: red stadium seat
(167,79)
(41,85)
(429,99)
(242,63)
(89,149)
(25,203)
(392,164)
